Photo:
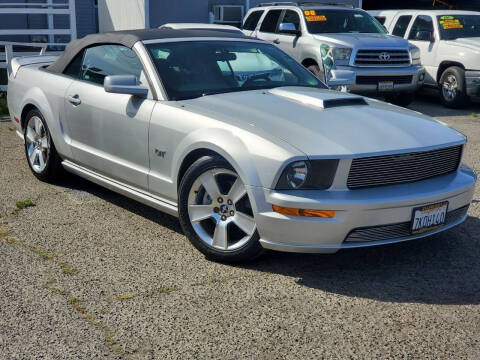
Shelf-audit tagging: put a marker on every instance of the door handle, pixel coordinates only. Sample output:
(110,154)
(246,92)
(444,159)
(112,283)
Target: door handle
(276,41)
(74,100)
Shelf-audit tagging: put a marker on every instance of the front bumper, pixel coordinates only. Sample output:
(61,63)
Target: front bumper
(355,209)
(472,82)
(375,74)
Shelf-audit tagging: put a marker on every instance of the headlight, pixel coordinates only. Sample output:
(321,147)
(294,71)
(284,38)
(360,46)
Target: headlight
(415,55)
(341,53)
(313,175)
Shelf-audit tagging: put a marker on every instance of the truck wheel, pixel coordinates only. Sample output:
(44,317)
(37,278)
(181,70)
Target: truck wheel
(215,212)
(42,157)
(402,99)
(315,70)
(452,87)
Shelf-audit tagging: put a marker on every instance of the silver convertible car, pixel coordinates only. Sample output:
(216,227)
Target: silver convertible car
(239,141)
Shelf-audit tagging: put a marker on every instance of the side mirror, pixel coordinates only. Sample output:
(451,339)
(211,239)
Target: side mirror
(288,28)
(341,78)
(424,36)
(124,84)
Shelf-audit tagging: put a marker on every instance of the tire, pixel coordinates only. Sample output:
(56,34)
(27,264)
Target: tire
(315,70)
(402,99)
(452,88)
(205,219)
(42,157)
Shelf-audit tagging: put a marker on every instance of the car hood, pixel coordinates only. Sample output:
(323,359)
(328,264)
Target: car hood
(360,40)
(295,115)
(471,43)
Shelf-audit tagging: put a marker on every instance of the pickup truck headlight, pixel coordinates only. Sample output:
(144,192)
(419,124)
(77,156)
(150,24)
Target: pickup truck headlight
(340,53)
(308,175)
(415,55)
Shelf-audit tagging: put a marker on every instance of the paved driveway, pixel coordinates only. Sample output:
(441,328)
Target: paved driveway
(86,273)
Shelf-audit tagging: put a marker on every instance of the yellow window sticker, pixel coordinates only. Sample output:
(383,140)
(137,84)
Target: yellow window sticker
(309,12)
(452,26)
(450,21)
(447,17)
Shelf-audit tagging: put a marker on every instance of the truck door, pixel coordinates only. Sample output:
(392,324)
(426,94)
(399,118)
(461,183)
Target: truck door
(109,131)
(422,34)
(251,22)
(268,27)
(288,40)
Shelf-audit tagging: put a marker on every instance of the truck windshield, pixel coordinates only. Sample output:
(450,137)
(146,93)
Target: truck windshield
(192,69)
(341,21)
(453,27)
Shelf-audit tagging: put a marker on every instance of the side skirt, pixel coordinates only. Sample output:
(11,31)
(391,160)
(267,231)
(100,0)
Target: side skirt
(146,198)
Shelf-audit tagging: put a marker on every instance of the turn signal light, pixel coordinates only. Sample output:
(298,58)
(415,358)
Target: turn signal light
(326,214)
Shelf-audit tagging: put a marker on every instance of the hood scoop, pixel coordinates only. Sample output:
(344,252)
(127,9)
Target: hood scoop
(325,100)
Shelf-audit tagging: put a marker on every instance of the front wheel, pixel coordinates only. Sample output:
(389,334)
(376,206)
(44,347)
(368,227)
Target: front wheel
(215,212)
(452,88)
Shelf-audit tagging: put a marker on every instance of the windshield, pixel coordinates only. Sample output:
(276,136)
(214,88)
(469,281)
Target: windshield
(452,27)
(192,69)
(341,21)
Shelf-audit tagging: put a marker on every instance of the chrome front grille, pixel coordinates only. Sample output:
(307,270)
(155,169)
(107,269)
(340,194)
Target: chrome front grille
(403,168)
(395,231)
(382,58)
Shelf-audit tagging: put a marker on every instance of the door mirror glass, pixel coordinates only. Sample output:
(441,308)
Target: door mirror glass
(288,28)
(424,36)
(124,84)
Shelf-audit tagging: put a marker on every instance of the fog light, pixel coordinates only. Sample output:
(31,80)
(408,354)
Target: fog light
(326,214)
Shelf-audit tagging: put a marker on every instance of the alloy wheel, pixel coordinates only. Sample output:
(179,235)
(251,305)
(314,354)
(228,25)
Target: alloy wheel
(220,211)
(450,87)
(37,144)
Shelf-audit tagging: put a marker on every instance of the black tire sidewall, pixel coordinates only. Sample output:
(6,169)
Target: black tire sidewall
(461,98)
(50,173)
(247,252)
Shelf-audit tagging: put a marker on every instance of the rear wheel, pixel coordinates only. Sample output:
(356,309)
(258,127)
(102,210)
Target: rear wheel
(215,212)
(452,87)
(41,154)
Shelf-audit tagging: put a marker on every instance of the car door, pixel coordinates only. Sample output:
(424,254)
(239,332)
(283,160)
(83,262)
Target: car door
(401,25)
(268,27)
(109,132)
(428,47)
(286,40)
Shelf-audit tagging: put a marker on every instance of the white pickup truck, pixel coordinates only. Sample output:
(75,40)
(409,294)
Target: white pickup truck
(449,42)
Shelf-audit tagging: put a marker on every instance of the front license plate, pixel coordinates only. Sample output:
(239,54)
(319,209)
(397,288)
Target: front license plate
(385,86)
(429,217)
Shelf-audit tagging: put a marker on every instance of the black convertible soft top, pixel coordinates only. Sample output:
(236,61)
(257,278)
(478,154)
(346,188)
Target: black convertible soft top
(128,38)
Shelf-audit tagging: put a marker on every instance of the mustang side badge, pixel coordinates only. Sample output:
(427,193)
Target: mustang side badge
(160,153)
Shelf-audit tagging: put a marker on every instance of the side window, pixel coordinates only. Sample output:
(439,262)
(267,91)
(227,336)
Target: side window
(381,19)
(73,69)
(269,24)
(421,23)
(401,26)
(105,60)
(292,18)
(252,20)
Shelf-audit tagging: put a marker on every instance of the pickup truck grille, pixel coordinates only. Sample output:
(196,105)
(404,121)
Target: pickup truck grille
(382,58)
(374,80)
(403,168)
(396,231)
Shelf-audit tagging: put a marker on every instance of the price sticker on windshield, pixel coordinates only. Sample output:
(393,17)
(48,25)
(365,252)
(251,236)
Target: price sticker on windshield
(449,22)
(311,15)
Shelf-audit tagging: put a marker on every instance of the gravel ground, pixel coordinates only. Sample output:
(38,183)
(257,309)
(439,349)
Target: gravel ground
(86,273)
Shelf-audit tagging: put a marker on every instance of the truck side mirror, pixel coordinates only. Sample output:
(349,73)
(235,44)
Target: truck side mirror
(288,28)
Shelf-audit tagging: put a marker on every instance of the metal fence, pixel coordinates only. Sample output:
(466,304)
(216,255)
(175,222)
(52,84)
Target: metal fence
(47,8)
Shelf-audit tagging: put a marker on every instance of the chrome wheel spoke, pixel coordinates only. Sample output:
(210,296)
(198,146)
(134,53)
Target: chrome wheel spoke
(220,237)
(38,126)
(237,191)
(244,222)
(41,159)
(200,212)
(210,184)
(33,156)
(44,142)
(30,134)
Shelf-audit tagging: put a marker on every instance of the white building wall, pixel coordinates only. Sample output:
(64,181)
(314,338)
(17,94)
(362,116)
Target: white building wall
(121,15)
